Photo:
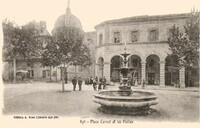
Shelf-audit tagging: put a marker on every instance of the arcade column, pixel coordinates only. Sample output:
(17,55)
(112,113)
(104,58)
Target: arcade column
(143,63)
(106,71)
(182,77)
(162,73)
(96,70)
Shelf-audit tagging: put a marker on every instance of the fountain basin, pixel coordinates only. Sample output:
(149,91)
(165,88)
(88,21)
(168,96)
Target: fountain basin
(125,99)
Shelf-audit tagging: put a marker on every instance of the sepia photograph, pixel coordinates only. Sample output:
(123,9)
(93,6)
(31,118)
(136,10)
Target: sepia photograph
(100,62)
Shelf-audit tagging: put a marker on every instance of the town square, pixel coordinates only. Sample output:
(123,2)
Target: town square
(136,67)
(46,99)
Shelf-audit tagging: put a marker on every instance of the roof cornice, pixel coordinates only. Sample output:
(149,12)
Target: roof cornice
(145,18)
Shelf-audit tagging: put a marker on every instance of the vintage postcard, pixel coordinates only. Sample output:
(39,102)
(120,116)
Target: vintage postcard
(97,63)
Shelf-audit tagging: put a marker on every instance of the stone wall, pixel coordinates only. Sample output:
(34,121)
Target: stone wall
(143,47)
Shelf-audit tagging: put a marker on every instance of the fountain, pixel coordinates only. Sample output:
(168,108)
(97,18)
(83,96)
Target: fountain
(125,100)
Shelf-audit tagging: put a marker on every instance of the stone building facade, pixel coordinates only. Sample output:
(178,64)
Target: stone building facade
(145,38)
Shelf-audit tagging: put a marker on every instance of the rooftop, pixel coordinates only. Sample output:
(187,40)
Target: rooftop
(145,18)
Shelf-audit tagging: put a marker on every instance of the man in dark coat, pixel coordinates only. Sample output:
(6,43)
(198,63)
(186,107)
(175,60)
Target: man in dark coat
(143,83)
(104,82)
(86,80)
(91,80)
(74,82)
(80,83)
(100,83)
(94,84)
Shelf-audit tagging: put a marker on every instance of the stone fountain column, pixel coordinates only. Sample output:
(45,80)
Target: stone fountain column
(143,63)
(106,71)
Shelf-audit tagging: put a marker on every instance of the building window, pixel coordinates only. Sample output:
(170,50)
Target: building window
(134,36)
(30,73)
(54,73)
(48,73)
(100,39)
(116,37)
(153,35)
(45,73)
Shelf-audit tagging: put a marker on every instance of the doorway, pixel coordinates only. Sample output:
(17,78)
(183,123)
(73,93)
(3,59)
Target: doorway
(151,78)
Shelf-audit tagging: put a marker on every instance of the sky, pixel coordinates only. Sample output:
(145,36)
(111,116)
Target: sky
(90,12)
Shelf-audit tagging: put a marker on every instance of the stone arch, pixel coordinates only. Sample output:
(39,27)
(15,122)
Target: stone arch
(159,55)
(115,63)
(100,67)
(137,54)
(153,69)
(171,70)
(134,61)
(192,76)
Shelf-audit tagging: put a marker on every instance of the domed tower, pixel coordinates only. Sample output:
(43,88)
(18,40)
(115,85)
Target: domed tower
(67,20)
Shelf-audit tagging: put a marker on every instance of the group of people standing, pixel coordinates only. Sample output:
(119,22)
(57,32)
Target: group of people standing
(74,82)
(98,83)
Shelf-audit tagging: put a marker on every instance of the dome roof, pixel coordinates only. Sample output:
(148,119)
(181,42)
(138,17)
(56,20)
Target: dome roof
(68,20)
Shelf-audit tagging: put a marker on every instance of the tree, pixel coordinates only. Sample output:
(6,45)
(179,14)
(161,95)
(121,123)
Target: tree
(69,41)
(49,52)
(20,42)
(185,45)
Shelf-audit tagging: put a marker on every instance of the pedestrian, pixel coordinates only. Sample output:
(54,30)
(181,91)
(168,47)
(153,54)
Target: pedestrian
(143,83)
(80,83)
(66,79)
(96,78)
(91,80)
(114,80)
(86,81)
(136,82)
(100,83)
(104,82)
(94,84)
(74,82)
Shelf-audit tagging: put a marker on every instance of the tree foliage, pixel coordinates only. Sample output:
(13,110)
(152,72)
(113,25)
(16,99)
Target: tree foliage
(185,45)
(49,52)
(20,41)
(69,41)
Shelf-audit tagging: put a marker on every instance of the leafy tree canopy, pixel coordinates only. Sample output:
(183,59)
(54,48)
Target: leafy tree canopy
(69,41)
(185,45)
(20,41)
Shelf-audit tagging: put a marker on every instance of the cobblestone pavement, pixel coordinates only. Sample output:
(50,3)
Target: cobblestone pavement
(47,99)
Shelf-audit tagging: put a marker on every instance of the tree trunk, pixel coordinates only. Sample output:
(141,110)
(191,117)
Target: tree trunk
(56,74)
(75,71)
(63,79)
(50,75)
(14,70)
